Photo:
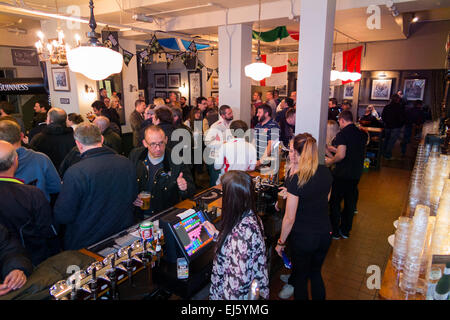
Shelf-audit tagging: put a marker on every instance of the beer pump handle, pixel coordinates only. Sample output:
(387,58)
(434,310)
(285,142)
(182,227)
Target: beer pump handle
(94,274)
(73,294)
(113,261)
(129,253)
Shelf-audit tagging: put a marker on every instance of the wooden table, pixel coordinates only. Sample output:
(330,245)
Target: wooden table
(389,286)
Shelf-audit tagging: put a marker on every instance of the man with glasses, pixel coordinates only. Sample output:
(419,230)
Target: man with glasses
(167,182)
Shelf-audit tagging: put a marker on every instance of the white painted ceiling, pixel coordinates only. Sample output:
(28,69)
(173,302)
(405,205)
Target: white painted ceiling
(351,22)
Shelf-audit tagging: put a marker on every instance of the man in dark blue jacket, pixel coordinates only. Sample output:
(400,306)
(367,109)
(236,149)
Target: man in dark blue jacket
(15,266)
(24,210)
(96,198)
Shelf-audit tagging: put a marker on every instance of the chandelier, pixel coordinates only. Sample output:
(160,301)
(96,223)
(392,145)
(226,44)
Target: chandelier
(258,70)
(92,59)
(52,50)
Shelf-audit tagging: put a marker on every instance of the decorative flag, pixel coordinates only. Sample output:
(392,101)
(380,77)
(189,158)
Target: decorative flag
(127,56)
(279,63)
(169,59)
(271,35)
(192,47)
(110,40)
(350,59)
(154,45)
(200,65)
(144,57)
(209,73)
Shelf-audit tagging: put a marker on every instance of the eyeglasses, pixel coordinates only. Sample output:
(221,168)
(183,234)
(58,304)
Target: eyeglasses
(153,145)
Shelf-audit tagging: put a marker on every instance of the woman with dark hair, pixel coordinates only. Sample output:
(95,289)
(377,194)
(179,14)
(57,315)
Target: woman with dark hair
(241,251)
(306,219)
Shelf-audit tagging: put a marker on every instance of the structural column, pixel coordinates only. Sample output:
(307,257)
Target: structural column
(235,52)
(314,67)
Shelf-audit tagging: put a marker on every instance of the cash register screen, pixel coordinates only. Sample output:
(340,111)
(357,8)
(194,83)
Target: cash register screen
(192,235)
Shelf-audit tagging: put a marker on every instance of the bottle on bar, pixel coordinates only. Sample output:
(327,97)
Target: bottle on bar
(442,289)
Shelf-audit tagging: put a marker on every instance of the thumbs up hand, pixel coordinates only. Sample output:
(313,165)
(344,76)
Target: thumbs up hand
(182,184)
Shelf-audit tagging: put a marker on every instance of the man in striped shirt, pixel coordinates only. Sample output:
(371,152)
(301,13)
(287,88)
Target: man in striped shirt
(237,153)
(267,133)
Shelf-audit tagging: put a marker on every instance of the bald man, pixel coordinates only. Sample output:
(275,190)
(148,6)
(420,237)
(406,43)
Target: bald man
(111,138)
(25,211)
(56,139)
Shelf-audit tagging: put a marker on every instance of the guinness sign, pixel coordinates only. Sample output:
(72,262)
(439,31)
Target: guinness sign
(22,86)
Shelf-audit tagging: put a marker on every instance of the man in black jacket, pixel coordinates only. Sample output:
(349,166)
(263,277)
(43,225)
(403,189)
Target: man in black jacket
(24,209)
(110,138)
(56,139)
(167,182)
(96,198)
(15,266)
(393,117)
(348,159)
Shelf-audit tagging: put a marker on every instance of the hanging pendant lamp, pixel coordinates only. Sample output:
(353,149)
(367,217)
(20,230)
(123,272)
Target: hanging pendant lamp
(258,70)
(93,60)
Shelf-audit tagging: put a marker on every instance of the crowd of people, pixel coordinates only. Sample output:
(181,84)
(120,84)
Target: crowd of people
(67,184)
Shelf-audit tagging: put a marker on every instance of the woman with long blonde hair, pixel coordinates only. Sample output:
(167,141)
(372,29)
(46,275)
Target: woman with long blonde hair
(306,221)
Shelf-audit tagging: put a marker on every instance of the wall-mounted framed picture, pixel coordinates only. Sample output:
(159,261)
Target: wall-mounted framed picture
(160,94)
(60,77)
(24,57)
(348,91)
(195,86)
(381,89)
(177,93)
(214,82)
(414,89)
(160,80)
(174,80)
(331,92)
(214,94)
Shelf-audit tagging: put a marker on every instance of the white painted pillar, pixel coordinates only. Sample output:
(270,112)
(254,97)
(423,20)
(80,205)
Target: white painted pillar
(314,67)
(235,52)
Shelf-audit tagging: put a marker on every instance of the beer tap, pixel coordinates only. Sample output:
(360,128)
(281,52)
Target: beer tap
(129,266)
(158,251)
(113,276)
(93,283)
(73,293)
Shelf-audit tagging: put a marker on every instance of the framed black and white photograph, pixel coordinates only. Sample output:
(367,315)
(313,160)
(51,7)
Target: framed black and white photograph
(381,89)
(24,57)
(348,91)
(331,92)
(160,80)
(174,80)
(195,86)
(177,93)
(414,89)
(214,82)
(60,77)
(161,94)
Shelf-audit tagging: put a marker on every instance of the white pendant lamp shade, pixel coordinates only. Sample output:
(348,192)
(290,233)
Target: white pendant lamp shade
(345,76)
(334,75)
(258,71)
(96,63)
(355,76)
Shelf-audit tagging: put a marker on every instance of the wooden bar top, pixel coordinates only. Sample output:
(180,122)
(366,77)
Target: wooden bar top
(389,286)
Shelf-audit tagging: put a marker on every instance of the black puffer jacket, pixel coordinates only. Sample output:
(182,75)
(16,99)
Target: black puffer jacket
(25,211)
(165,192)
(55,141)
(12,255)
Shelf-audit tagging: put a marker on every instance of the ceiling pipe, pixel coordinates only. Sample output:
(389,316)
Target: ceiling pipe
(121,27)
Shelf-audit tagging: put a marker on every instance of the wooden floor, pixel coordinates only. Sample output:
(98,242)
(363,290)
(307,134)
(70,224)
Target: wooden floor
(382,195)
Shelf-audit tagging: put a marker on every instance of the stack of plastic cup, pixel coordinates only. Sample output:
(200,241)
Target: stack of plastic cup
(401,243)
(415,188)
(416,241)
(438,184)
(440,243)
(431,175)
(427,246)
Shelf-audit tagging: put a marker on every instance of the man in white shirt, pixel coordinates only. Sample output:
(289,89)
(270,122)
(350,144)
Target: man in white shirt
(217,134)
(237,153)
